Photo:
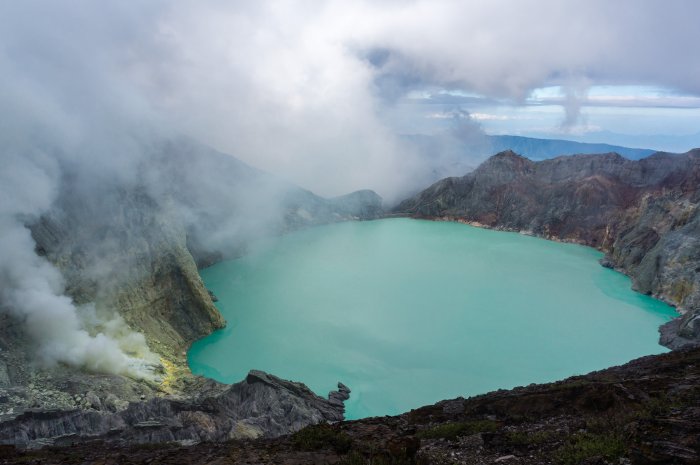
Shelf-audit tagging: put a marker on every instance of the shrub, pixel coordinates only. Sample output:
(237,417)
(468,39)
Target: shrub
(322,436)
(583,446)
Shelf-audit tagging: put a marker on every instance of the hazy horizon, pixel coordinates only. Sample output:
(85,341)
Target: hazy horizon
(320,93)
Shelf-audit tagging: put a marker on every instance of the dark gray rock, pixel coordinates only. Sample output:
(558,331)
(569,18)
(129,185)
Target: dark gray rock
(340,396)
(260,406)
(681,332)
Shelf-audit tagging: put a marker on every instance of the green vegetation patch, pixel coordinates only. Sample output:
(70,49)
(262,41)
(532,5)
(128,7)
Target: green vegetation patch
(584,446)
(322,436)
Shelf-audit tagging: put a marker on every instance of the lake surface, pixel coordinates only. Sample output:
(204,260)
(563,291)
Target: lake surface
(409,312)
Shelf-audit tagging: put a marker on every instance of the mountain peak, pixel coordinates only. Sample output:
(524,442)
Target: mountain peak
(506,160)
(508,154)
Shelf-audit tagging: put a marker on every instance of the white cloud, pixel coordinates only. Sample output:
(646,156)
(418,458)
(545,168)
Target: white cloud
(287,86)
(492,117)
(300,88)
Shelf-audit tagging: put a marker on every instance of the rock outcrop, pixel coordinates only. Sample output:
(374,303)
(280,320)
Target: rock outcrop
(644,214)
(262,405)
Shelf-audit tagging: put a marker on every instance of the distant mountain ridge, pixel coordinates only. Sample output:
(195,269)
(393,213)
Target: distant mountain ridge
(456,153)
(678,143)
(483,145)
(540,149)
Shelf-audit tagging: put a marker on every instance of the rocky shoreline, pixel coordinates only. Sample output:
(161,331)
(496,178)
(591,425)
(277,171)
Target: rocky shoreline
(668,332)
(643,412)
(644,215)
(262,405)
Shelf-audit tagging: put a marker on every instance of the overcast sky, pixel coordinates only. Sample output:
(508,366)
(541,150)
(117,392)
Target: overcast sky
(318,91)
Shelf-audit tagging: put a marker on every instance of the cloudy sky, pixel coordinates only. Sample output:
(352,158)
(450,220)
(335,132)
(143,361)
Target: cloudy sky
(319,92)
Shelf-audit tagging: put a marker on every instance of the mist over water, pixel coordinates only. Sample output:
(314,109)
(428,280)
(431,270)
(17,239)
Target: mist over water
(409,312)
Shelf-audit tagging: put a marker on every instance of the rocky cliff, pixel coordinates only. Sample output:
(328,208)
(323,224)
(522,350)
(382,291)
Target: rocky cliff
(262,405)
(128,252)
(643,214)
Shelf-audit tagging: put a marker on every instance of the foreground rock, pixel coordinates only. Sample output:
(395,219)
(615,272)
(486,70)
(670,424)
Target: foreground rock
(644,214)
(260,406)
(644,412)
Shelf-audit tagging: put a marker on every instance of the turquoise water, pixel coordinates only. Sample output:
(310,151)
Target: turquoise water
(409,312)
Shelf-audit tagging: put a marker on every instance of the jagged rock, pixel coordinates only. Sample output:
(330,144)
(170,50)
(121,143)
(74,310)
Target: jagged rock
(260,406)
(681,332)
(340,396)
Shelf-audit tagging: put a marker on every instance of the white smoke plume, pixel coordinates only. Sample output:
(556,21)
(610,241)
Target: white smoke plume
(575,93)
(32,289)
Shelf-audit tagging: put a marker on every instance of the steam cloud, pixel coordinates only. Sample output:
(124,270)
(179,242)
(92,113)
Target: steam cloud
(299,89)
(33,289)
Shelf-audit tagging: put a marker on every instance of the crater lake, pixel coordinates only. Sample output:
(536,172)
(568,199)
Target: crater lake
(409,312)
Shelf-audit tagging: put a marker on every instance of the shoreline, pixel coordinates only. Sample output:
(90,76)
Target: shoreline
(590,256)
(604,262)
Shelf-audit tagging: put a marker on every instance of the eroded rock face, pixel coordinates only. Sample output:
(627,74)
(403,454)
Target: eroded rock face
(644,214)
(131,247)
(128,254)
(260,406)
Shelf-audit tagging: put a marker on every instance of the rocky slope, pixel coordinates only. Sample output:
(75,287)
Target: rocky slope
(129,249)
(462,149)
(644,412)
(262,405)
(644,214)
